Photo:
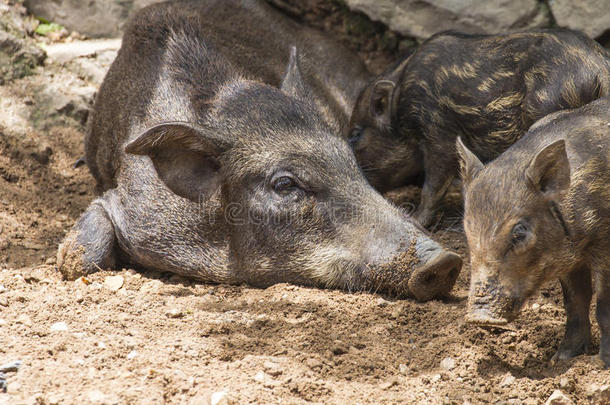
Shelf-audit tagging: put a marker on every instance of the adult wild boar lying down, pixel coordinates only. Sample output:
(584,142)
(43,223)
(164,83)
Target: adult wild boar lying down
(541,211)
(213,172)
(487,89)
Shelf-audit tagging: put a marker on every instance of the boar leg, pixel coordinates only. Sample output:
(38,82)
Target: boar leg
(440,171)
(90,244)
(576,287)
(603,315)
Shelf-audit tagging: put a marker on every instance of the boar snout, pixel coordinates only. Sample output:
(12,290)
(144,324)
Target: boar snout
(436,277)
(488,305)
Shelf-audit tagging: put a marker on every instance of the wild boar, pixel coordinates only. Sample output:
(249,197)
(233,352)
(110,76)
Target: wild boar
(541,211)
(212,172)
(487,89)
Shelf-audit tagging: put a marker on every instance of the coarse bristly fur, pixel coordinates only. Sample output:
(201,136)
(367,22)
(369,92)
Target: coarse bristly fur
(211,171)
(486,89)
(539,212)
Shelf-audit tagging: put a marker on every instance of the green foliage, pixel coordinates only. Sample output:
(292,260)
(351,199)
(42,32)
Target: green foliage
(46,26)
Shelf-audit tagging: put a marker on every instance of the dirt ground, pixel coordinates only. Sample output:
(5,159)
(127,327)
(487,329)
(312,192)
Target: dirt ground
(143,337)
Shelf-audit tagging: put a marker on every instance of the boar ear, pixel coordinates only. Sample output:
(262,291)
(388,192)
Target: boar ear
(470,165)
(381,100)
(549,170)
(292,83)
(185,156)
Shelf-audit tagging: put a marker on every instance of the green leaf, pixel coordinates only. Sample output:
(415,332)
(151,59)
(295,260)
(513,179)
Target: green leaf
(44,28)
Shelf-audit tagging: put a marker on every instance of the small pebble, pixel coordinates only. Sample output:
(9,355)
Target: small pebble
(2,288)
(403,368)
(3,301)
(59,327)
(96,396)
(174,313)
(220,398)
(382,302)
(272,368)
(114,283)
(558,398)
(508,380)
(11,366)
(24,320)
(448,363)
(388,384)
(132,354)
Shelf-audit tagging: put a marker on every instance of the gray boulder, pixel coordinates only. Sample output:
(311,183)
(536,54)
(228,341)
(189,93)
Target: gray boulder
(590,16)
(422,18)
(98,18)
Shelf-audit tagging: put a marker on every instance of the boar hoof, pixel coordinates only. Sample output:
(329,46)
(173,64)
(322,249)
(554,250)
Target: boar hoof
(437,277)
(567,351)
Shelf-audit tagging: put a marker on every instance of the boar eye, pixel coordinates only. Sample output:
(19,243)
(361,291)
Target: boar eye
(354,136)
(519,234)
(284,184)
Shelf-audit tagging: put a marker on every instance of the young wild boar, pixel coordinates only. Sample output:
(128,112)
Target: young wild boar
(487,89)
(541,211)
(211,171)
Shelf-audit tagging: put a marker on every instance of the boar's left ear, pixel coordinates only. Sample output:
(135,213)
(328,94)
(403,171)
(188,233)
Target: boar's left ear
(292,83)
(382,95)
(185,156)
(549,170)
(470,165)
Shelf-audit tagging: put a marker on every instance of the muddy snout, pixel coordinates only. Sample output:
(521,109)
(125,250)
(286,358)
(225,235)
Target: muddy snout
(436,277)
(488,305)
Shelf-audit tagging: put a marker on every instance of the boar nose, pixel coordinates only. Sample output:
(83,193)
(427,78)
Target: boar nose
(436,277)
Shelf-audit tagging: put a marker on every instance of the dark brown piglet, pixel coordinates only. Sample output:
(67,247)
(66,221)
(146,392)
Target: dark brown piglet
(539,212)
(486,89)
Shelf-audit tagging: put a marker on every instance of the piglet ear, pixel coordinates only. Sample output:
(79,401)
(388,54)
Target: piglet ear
(549,170)
(293,83)
(185,156)
(470,165)
(381,98)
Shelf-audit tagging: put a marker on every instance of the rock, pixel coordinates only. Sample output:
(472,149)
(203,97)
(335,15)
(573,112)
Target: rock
(96,397)
(64,52)
(448,363)
(59,327)
(382,302)
(114,283)
(132,354)
(220,398)
(24,320)
(3,301)
(313,363)
(403,369)
(388,384)
(174,313)
(507,380)
(558,398)
(272,368)
(11,366)
(590,16)
(423,18)
(604,394)
(18,54)
(338,348)
(100,18)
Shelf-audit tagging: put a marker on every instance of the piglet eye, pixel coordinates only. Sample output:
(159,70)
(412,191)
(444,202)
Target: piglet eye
(519,233)
(283,184)
(354,136)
